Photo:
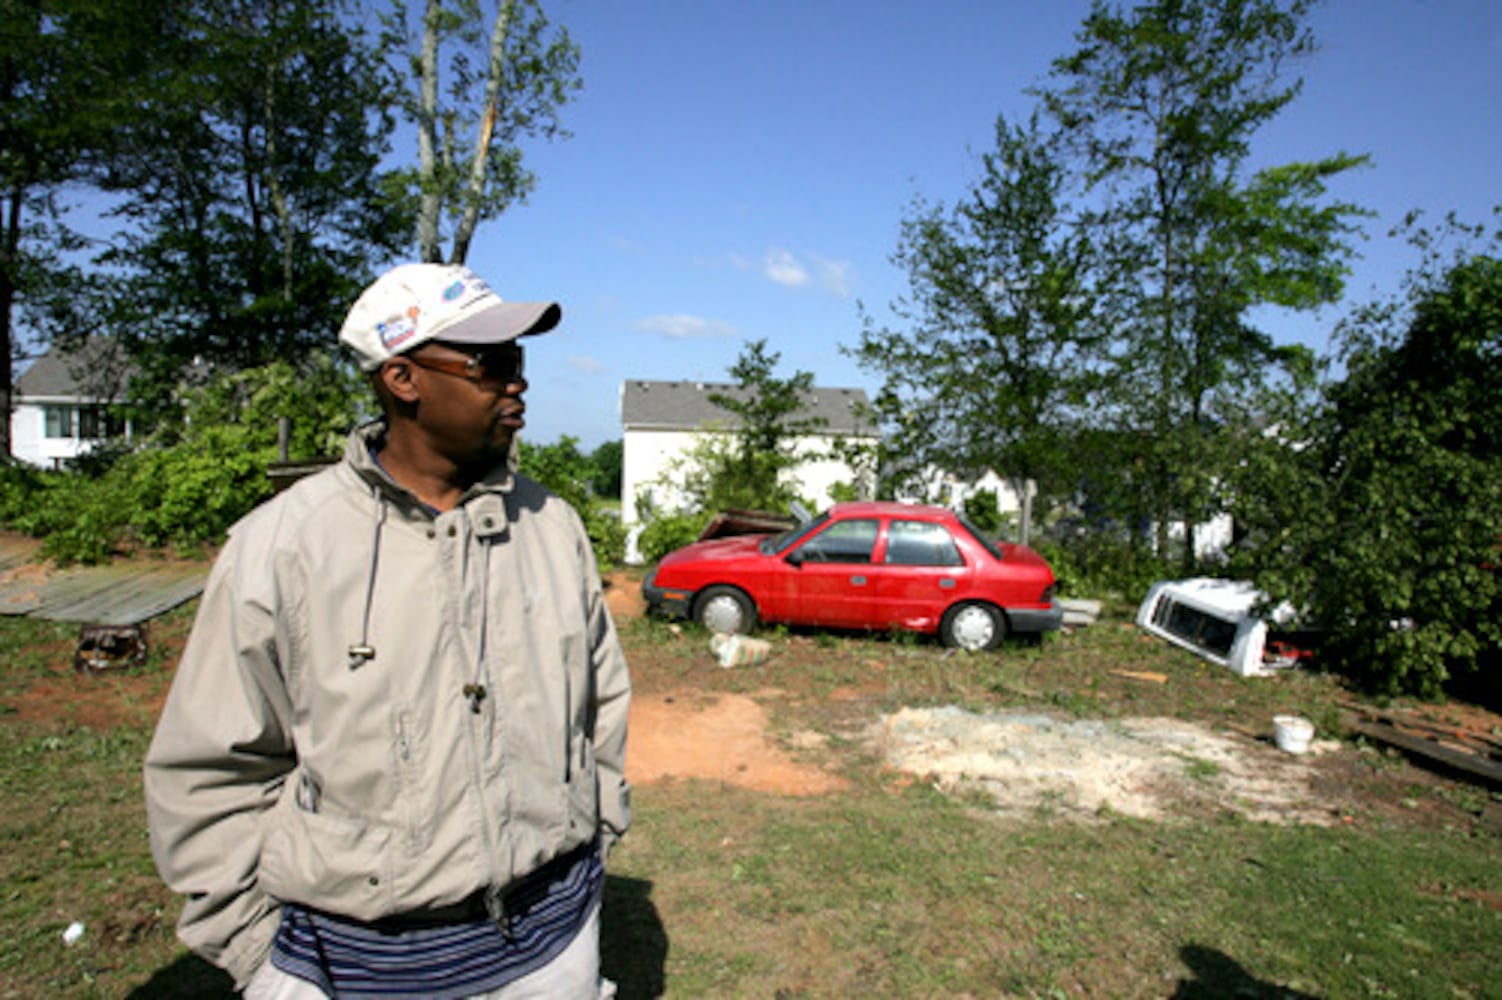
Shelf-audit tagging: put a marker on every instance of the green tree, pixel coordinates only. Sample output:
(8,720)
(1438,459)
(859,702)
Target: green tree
(744,461)
(473,96)
(568,472)
(71,73)
(996,356)
(253,186)
(606,459)
(768,415)
(1384,521)
(1161,104)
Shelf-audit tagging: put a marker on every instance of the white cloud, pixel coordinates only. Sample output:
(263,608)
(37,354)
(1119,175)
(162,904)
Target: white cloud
(585,365)
(836,276)
(681,327)
(782,267)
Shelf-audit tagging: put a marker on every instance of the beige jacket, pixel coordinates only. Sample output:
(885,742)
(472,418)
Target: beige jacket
(287,765)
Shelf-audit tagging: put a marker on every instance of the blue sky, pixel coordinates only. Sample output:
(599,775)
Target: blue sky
(740,170)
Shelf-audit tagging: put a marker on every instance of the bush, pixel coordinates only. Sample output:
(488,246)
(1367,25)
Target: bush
(666,532)
(186,487)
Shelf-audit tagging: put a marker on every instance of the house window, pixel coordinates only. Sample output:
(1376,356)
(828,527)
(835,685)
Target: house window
(95,423)
(58,421)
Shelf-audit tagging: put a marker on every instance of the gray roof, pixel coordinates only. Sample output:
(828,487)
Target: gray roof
(96,370)
(686,406)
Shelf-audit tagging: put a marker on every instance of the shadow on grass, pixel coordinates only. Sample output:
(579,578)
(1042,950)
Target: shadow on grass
(1216,975)
(633,953)
(188,977)
(633,942)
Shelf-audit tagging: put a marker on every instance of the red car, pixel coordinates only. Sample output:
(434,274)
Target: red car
(863,566)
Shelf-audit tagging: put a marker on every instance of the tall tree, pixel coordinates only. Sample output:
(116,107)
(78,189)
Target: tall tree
(1162,103)
(253,190)
(996,357)
(70,73)
(473,96)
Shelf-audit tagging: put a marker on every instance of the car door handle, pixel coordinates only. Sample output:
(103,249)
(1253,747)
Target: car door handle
(859,581)
(947,583)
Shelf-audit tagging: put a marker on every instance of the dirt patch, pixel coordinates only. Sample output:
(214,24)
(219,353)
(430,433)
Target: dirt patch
(1147,768)
(623,596)
(95,701)
(723,738)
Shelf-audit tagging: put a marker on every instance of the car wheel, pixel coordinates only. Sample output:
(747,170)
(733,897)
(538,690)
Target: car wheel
(725,609)
(972,627)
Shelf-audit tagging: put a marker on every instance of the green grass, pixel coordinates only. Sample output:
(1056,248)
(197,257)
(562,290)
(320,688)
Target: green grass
(886,889)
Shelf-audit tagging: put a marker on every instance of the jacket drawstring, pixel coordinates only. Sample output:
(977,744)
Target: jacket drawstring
(363,652)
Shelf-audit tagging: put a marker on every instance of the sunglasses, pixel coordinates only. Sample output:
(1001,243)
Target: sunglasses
(503,363)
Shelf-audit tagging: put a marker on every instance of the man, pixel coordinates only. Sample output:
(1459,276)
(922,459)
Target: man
(391,763)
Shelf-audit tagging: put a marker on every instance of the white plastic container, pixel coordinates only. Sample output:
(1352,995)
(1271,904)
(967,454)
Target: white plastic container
(1292,734)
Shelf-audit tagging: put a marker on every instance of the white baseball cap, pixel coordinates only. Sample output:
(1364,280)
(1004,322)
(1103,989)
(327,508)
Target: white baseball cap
(414,303)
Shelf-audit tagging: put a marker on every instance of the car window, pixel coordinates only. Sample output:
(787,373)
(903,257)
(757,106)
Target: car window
(921,543)
(776,543)
(841,542)
(980,536)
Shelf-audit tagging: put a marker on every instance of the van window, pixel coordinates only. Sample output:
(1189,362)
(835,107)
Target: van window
(1195,626)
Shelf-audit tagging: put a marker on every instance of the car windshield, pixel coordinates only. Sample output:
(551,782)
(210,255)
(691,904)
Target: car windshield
(773,544)
(991,544)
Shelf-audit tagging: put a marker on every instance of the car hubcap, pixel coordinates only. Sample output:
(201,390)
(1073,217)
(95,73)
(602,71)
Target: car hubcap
(723,614)
(974,628)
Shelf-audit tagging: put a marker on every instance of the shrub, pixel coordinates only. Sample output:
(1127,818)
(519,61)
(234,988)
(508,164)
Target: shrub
(666,532)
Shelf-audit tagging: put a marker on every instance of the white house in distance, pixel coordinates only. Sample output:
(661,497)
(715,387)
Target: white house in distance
(60,406)
(661,421)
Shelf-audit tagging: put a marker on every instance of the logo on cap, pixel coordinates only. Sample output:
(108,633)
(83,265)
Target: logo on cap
(397,330)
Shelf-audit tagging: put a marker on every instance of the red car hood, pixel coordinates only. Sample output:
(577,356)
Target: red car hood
(733,547)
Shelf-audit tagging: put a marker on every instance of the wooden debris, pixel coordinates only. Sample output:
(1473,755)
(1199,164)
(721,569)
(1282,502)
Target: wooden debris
(1476,754)
(1143,675)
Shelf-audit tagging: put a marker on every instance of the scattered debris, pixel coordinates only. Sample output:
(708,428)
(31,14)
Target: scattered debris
(1142,675)
(1476,754)
(1079,612)
(1217,620)
(109,647)
(738,650)
(1292,734)
(73,934)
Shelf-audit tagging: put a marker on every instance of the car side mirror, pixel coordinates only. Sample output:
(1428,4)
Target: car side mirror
(795,558)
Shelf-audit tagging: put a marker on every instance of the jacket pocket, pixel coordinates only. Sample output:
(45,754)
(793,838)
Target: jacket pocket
(333,862)
(582,792)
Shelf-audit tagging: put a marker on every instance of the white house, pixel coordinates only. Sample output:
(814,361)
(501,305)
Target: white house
(61,405)
(661,422)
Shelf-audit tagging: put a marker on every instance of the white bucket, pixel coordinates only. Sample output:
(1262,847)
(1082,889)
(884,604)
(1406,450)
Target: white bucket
(1292,733)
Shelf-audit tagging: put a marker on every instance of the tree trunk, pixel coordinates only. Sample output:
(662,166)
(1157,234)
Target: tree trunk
(431,204)
(9,259)
(474,188)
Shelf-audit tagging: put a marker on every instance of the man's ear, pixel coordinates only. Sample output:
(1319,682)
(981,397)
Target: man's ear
(395,376)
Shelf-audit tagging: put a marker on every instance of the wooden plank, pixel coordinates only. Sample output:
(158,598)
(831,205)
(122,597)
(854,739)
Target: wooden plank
(1470,738)
(1470,763)
(118,594)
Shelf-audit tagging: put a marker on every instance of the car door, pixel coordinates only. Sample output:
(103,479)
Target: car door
(830,578)
(921,573)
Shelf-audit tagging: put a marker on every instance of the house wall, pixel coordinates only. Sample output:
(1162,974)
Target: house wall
(28,434)
(647,454)
(29,441)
